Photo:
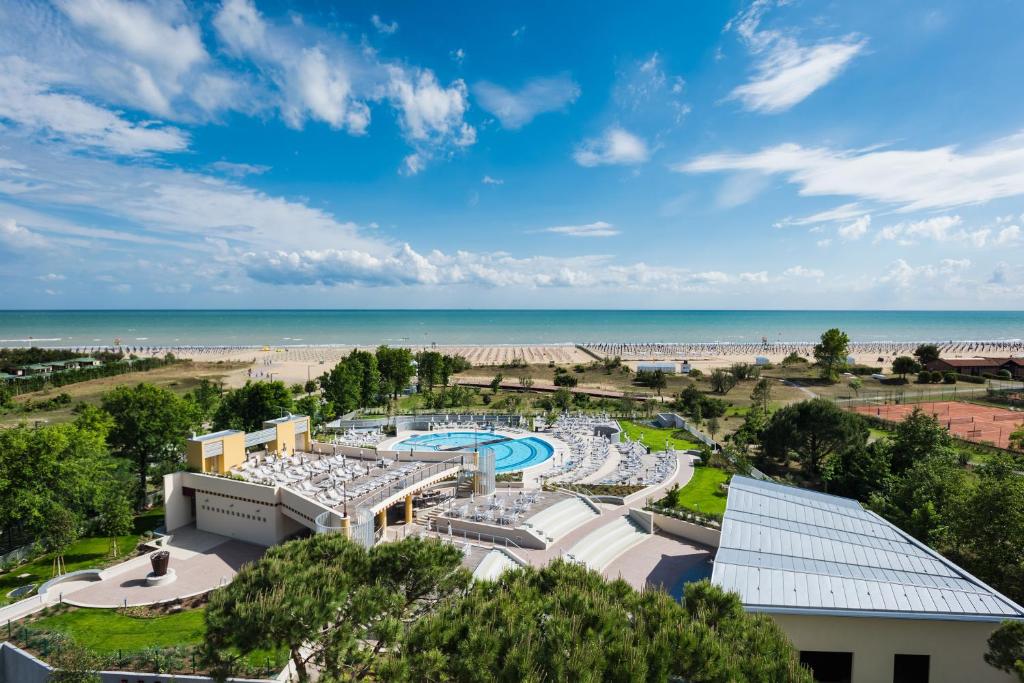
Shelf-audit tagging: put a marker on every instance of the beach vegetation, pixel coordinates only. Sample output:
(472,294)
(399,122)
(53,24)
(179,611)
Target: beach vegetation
(745,371)
(564,379)
(1006,649)
(653,379)
(905,365)
(722,381)
(831,353)
(812,431)
(355,382)
(794,359)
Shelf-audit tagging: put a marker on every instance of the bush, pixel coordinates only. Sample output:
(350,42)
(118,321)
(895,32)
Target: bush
(936,376)
(924,377)
(1004,374)
(863,370)
(972,379)
(696,374)
(794,358)
(949,378)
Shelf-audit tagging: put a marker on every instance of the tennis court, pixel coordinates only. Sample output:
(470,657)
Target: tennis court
(968,421)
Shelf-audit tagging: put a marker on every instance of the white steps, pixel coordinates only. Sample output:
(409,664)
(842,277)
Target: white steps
(561,518)
(600,547)
(494,564)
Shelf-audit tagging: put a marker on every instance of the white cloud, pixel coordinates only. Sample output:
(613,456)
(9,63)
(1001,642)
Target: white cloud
(839,213)
(51,277)
(236,170)
(942,229)
(596,229)
(760,277)
(615,146)
(1009,235)
(516,33)
(786,73)
(382,27)
(458,55)
(824,243)
(488,180)
(428,109)
(801,271)
(17,237)
(28,100)
(911,179)
(856,229)
(902,275)
(515,109)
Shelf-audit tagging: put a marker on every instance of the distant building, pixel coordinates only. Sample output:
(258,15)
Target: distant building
(666,367)
(862,600)
(979,366)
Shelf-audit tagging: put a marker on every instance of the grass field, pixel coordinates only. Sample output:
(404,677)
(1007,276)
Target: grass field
(179,378)
(106,631)
(85,553)
(703,493)
(656,438)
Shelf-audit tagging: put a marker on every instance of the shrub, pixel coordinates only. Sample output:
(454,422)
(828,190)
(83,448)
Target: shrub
(936,376)
(949,378)
(1004,374)
(924,377)
(972,379)
(696,374)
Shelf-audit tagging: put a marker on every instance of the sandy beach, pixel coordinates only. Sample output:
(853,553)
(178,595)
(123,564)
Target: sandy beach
(296,364)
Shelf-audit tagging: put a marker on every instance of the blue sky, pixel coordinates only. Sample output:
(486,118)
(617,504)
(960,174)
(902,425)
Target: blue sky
(774,154)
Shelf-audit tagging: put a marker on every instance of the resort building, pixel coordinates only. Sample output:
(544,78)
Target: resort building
(666,367)
(221,451)
(979,366)
(862,600)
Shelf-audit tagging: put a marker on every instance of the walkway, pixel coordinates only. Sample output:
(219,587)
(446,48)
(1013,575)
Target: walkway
(202,561)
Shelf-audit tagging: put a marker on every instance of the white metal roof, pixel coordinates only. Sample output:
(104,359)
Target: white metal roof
(785,549)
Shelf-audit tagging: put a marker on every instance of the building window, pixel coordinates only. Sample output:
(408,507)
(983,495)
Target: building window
(910,668)
(829,667)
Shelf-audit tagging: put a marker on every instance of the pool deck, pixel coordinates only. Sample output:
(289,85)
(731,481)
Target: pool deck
(530,473)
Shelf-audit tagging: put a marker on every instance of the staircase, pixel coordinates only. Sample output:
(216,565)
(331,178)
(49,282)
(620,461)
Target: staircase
(600,547)
(561,518)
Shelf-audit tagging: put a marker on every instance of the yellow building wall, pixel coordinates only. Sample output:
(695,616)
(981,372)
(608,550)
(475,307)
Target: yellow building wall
(285,438)
(234,452)
(194,455)
(304,441)
(955,647)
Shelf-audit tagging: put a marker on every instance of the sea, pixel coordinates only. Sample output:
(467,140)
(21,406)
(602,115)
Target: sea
(233,328)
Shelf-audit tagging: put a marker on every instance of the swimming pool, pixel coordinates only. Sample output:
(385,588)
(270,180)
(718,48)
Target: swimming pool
(511,455)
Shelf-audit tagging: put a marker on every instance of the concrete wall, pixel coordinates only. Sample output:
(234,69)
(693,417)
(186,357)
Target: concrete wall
(241,510)
(687,530)
(524,538)
(643,519)
(177,508)
(955,647)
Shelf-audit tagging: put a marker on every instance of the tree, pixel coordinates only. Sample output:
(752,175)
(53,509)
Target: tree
(115,518)
(496,382)
(562,398)
(813,430)
(333,605)
(831,352)
(207,397)
(525,381)
(314,407)
(904,365)
(63,465)
(1006,649)
(722,381)
(915,500)
(855,383)
(396,369)
(62,529)
(917,437)
(566,623)
(742,371)
(1017,438)
(858,473)
(712,426)
(761,396)
(150,427)
(428,369)
(926,353)
(249,406)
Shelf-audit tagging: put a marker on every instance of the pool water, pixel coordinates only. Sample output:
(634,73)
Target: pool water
(511,455)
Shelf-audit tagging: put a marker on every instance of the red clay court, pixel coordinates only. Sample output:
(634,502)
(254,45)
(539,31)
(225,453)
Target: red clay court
(968,421)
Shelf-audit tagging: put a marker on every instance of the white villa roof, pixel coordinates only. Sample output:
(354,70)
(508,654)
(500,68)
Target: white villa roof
(785,549)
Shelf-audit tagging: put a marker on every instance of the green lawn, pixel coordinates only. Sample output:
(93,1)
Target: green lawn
(107,631)
(703,493)
(656,438)
(85,553)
